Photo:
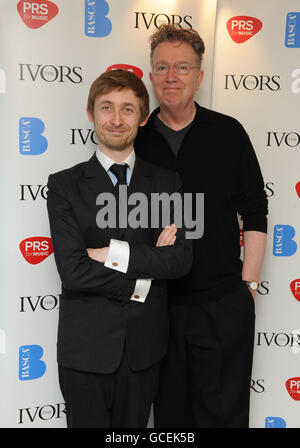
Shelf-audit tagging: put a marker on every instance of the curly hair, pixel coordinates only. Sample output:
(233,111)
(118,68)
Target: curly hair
(172,33)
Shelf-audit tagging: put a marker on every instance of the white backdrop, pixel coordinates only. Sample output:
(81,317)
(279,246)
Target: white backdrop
(257,82)
(50,54)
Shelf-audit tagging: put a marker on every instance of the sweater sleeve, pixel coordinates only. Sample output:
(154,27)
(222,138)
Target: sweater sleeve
(251,199)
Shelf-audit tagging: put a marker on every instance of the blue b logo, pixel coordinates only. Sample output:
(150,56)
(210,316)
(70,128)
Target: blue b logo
(96,22)
(275,422)
(30,364)
(32,142)
(283,240)
(292,31)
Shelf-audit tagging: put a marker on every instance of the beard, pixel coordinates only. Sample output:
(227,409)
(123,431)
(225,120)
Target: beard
(116,142)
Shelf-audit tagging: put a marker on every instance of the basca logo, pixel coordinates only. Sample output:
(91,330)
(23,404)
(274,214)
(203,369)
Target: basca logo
(31,366)
(296,83)
(283,139)
(283,240)
(47,302)
(96,22)
(32,192)
(31,140)
(242,28)
(2,81)
(275,422)
(131,68)
(293,387)
(36,13)
(42,413)
(147,19)
(292,31)
(50,73)
(295,288)
(252,82)
(36,249)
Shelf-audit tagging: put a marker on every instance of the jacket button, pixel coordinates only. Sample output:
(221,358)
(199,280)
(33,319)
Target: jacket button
(115,263)
(136,296)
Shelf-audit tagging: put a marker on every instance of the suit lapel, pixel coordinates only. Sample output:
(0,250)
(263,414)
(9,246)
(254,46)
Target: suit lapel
(95,180)
(141,182)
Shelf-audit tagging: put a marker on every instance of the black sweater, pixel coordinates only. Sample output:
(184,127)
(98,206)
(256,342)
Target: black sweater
(216,158)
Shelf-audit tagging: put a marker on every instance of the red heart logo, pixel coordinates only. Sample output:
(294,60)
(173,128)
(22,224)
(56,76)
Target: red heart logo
(298,188)
(36,13)
(132,68)
(295,288)
(36,249)
(293,387)
(242,28)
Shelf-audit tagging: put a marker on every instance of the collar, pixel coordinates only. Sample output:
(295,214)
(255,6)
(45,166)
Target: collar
(201,116)
(107,162)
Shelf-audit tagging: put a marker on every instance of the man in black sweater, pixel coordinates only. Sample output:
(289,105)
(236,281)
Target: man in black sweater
(206,376)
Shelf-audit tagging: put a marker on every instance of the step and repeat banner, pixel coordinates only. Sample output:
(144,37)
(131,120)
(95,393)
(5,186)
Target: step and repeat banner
(51,52)
(257,80)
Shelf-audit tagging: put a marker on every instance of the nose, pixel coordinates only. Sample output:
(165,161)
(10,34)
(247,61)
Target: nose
(116,117)
(171,75)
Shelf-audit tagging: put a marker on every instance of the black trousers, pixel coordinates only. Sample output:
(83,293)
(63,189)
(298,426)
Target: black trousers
(121,399)
(206,376)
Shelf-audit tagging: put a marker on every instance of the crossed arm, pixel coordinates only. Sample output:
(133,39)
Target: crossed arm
(167,237)
(79,271)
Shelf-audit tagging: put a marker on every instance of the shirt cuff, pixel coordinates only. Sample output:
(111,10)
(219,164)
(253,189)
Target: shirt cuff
(141,290)
(118,256)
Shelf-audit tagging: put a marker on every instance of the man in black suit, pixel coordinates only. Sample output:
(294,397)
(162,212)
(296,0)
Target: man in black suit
(113,319)
(206,375)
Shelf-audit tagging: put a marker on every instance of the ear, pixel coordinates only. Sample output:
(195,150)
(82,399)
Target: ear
(200,78)
(142,123)
(151,76)
(90,116)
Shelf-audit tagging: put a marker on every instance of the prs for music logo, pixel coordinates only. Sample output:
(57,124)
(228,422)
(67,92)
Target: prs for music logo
(293,387)
(242,28)
(36,249)
(36,13)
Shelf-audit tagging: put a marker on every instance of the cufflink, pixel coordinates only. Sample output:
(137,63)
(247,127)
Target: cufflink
(115,263)
(136,296)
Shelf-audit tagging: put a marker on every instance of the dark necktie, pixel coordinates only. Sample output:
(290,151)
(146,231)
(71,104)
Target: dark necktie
(120,172)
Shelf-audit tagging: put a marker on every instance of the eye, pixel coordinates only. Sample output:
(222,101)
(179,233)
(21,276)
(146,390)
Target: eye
(161,68)
(128,110)
(105,107)
(182,68)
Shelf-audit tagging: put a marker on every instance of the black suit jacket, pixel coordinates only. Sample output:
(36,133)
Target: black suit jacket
(96,314)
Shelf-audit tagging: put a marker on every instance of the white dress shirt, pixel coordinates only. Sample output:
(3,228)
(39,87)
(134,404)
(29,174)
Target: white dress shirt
(119,252)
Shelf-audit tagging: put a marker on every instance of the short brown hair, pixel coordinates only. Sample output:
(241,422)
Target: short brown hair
(119,79)
(171,33)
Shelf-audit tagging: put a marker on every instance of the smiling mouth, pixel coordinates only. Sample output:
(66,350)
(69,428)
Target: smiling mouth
(172,88)
(116,131)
